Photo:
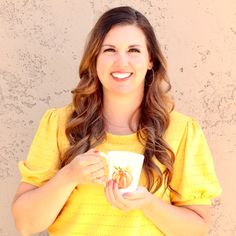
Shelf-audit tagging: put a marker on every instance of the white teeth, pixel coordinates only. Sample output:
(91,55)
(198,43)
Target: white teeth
(121,75)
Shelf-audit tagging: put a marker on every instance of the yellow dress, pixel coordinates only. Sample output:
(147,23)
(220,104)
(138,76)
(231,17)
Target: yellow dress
(86,212)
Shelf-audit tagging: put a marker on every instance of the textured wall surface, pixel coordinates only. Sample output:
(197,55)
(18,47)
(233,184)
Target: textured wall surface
(41,42)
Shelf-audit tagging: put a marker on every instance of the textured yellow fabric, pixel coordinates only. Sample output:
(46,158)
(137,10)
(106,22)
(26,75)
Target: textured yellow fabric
(87,212)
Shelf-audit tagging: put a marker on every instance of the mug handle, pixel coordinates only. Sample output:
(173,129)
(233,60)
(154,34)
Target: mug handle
(104,155)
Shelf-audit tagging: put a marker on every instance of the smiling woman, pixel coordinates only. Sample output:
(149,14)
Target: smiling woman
(123,58)
(120,104)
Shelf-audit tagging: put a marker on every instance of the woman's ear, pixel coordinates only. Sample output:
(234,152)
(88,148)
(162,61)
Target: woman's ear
(150,65)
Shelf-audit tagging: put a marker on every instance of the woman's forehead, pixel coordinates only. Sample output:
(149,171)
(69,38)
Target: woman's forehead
(125,34)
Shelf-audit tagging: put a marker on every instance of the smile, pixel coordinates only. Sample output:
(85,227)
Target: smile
(118,75)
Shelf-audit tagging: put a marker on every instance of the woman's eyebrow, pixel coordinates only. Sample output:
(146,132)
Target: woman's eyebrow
(113,46)
(135,45)
(108,45)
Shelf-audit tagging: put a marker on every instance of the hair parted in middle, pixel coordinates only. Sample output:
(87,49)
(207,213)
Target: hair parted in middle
(86,126)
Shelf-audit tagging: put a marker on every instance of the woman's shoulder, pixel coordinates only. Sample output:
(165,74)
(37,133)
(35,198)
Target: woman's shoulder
(58,115)
(64,111)
(178,118)
(181,123)
(181,127)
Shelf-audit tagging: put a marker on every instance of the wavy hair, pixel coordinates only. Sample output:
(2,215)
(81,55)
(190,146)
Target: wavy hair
(86,126)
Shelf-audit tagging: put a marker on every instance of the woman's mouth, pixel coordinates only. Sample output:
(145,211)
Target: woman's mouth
(121,75)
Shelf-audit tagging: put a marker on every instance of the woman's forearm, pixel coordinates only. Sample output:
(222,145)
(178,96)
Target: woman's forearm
(35,210)
(175,221)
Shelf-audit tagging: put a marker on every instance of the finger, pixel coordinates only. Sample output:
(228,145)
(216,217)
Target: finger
(120,201)
(89,159)
(99,173)
(139,193)
(93,150)
(97,176)
(90,173)
(107,192)
(111,197)
(110,192)
(101,181)
(93,168)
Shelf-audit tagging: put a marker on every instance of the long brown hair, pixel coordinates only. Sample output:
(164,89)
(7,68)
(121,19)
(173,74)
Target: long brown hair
(86,126)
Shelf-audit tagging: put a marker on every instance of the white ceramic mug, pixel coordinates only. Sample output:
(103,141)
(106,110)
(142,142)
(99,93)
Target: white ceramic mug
(124,168)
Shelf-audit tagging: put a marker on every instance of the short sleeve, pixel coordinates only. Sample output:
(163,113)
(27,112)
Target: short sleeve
(194,175)
(43,160)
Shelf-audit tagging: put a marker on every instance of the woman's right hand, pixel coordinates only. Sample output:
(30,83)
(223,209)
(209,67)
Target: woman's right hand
(87,168)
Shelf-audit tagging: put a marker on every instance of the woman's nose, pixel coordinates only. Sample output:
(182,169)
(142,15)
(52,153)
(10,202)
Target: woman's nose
(122,59)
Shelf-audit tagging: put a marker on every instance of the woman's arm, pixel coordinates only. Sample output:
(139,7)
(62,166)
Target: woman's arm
(176,220)
(35,208)
(171,220)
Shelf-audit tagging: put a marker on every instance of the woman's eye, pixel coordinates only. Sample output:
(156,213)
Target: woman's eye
(109,50)
(134,50)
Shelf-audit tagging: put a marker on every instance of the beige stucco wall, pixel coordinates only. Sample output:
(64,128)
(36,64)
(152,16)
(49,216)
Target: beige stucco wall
(40,48)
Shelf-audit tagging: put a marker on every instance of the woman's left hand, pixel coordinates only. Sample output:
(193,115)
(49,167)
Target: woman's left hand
(138,199)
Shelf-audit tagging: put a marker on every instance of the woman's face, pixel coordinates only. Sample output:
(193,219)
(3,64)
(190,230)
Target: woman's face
(123,60)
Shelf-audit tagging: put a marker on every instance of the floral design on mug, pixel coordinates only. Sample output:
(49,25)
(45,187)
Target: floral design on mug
(122,176)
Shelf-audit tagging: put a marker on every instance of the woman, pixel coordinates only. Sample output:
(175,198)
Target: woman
(120,103)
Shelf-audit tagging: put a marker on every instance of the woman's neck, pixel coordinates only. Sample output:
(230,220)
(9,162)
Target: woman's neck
(118,110)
